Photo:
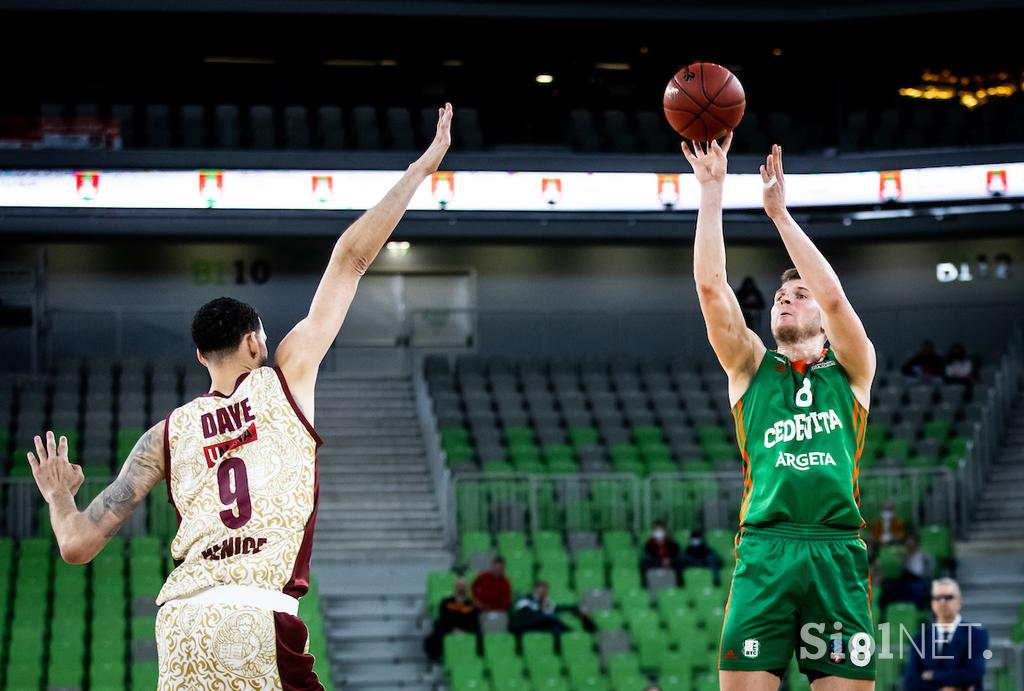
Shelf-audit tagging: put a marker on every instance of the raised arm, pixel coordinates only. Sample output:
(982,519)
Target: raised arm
(82,534)
(300,353)
(737,348)
(843,327)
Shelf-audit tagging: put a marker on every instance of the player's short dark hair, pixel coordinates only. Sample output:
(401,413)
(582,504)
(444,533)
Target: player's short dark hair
(219,325)
(790,275)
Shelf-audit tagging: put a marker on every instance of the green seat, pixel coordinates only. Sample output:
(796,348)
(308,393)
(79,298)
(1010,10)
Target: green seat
(547,541)
(144,675)
(459,650)
(583,436)
(589,579)
(536,644)
(898,449)
(651,648)
(127,437)
(577,645)
(518,435)
(937,429)
(454,434)
(890,559)
(647,434)
(558,453)
(474,542)
(513,543)
(642,621)
(499,644)
(590,559)
(608,620)
(622,665)
(107,674)
(625,579)
(616,540)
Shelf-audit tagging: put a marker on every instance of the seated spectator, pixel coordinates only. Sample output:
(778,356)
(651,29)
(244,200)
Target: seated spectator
(661,552)
(458,613)
(959,366)
(949,654)
(492,590)
(699,554)
(926,365)
(889,527)
(915,577)
(536,612)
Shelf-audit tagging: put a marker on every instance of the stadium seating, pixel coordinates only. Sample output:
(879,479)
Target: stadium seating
(900,125)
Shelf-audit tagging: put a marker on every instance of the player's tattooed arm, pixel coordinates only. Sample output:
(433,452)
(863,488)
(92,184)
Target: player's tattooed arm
(82,534)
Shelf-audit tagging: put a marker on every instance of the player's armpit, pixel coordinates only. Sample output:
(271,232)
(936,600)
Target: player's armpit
(105,515)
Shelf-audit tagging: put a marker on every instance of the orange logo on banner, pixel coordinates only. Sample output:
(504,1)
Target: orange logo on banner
(442,187)
(323,187)
(890,185)
(668,189)
(88,185)
(211,186)
(551,190)
(995,182)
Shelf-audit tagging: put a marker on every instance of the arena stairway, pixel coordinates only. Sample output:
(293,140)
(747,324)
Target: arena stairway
(378,532)
(991,570)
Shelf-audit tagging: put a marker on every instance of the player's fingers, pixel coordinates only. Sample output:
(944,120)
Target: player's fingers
(32,461)
(40,451)
(77,470)
(62,447)
(764,174)
(697,150)
(778,161)
(51,444)
(727,142)
(686,151)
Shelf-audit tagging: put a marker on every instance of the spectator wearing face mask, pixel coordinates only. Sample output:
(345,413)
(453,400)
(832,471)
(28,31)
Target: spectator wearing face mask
(661,552)
(889,527)
(699,554)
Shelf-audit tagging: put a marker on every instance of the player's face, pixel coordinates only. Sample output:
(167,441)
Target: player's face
(795,314)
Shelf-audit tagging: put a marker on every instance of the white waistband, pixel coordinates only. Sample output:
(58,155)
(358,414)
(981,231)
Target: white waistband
(245,595)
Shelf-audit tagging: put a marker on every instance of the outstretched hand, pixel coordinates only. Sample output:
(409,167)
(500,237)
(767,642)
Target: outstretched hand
(431,158)
(774,183)
(52,470)
(709,166)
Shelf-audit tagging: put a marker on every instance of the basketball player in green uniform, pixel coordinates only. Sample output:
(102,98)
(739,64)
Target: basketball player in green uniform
(801,581)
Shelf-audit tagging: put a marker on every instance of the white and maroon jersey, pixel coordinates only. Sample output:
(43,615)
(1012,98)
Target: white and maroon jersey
(242,475)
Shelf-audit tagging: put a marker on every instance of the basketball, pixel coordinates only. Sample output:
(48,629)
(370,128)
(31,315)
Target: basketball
(704,101)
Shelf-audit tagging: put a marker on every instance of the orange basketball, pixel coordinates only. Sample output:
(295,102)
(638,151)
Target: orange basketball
(704,101)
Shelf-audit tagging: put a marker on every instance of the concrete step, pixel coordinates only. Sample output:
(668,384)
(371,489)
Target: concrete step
(370,606)
(360,685)
(379,484)
(402,629)
(384,467)
(396,673)
(352,548)
(383,539)
(408,526)
(994,530)
(357,501)
(1006,512)
(364,451)
(373,650)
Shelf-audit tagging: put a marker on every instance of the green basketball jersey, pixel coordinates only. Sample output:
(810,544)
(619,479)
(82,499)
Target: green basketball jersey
(801,432)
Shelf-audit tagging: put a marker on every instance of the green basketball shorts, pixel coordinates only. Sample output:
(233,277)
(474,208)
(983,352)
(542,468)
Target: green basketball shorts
(800,589)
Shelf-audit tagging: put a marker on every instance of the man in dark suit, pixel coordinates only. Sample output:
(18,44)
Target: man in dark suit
(951,656)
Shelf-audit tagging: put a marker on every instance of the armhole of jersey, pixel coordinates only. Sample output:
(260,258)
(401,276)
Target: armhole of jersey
(296,409)
(167,465)
(753,378)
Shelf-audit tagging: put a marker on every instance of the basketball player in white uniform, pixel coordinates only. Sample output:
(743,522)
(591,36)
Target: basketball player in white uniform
(240,466)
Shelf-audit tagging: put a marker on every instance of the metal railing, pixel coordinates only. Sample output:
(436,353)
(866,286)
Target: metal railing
(439,472)
(709,500)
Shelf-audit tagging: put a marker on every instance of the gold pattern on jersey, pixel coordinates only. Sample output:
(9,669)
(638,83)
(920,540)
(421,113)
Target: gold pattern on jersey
(270,469)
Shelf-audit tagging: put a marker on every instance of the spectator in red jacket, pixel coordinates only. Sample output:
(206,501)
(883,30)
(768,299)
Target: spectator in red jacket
(491,589)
